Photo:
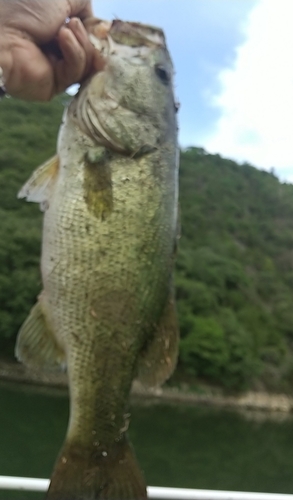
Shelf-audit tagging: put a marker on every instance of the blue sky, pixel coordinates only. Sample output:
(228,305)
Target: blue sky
(227,54)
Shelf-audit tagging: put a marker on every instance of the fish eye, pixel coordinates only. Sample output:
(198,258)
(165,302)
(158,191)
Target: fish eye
(162,74)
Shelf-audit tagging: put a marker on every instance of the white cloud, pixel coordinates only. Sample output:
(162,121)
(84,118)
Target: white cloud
(256,96)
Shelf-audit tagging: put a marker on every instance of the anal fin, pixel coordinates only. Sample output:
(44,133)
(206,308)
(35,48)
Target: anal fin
(158,359)
(36,345)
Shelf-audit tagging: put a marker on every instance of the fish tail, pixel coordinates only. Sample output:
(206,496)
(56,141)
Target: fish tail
(97,472)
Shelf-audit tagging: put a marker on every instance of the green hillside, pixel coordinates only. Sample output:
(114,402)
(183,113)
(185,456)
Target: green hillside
(235,261)
(235,272)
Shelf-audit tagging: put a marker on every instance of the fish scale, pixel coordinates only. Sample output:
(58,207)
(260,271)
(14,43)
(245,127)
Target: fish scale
(107,311)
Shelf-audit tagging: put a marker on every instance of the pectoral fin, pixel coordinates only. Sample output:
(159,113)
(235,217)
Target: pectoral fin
(39,186)
(36,345)
(158,359)
(98,192)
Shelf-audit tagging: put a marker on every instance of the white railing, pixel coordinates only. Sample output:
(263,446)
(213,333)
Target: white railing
(156,492)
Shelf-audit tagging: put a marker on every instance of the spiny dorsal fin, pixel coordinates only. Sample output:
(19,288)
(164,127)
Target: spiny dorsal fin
(158,360)
(36,345)
(39,186)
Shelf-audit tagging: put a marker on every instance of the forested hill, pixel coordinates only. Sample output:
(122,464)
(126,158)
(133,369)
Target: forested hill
(234,267)
(235,272)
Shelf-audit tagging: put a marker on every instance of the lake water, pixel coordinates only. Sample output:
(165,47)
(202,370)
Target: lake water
(177,445)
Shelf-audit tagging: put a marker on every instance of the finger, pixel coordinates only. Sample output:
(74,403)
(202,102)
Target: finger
(71,68)
(82,37)
(31,75)
(80,8)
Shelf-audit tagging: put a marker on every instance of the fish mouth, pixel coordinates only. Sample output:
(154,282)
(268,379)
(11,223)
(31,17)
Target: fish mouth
(136,34)
(127,33)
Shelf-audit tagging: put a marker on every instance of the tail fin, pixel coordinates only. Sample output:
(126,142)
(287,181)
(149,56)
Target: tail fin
(91,474)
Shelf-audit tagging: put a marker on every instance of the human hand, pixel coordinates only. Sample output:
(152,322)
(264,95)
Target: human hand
(39,54)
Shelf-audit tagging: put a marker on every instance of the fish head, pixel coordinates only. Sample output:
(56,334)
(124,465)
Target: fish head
(128,105)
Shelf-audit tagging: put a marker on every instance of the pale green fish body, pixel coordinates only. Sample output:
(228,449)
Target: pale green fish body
(110,227)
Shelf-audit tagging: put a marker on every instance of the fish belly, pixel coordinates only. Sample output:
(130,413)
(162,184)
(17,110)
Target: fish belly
(106,279)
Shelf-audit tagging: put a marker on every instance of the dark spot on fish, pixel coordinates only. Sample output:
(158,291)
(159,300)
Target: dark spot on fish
(116,307)
(75,336)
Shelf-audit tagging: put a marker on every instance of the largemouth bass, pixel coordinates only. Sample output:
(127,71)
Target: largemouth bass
(107,310)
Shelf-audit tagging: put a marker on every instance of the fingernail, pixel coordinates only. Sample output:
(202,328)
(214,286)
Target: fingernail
(77,23)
